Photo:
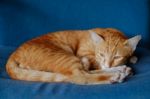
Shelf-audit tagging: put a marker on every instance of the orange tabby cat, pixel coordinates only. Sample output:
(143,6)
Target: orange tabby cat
(95,56)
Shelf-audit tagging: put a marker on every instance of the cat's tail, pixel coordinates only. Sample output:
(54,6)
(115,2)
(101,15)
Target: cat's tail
(16,72)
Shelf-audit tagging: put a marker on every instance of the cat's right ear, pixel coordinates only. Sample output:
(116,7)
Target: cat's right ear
(132,42)
(95,37)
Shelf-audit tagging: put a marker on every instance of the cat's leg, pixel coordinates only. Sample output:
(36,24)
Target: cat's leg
(126,71)
(123,69)
(101,77)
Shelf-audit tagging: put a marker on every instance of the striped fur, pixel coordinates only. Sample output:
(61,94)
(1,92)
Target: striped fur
(73,56)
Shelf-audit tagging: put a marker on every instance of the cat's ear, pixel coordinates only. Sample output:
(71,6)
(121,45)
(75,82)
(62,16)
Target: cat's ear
(95,37)
(132,42)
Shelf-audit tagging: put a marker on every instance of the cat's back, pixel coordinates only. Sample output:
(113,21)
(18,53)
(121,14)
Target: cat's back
(110,33)
(67,40)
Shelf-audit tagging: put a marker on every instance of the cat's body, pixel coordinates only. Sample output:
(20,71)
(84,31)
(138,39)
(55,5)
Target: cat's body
(83,57)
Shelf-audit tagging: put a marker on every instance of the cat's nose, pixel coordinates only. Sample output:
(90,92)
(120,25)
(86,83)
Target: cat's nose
(108,64)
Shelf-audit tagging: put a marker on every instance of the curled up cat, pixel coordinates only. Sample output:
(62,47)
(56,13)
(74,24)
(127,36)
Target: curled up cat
(95,56)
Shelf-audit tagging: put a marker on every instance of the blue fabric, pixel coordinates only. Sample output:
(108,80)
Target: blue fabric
(21,20)
(25,19)
(135,87)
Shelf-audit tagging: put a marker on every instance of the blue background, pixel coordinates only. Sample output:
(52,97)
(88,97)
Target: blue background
(21,20)
(25,19)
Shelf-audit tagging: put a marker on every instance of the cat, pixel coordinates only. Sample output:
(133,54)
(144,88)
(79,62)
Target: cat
(86,57)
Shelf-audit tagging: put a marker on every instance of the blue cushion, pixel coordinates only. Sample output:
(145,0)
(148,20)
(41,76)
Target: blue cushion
(21,20)
(135,87)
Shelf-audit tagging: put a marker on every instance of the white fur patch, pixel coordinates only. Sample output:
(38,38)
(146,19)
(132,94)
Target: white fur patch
(133,59)
(59,77)
(85,62)
(121,72)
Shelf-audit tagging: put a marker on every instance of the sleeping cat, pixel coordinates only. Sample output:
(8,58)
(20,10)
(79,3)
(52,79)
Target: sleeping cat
(95,56)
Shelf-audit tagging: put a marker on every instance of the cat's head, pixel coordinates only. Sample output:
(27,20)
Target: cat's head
(113,51)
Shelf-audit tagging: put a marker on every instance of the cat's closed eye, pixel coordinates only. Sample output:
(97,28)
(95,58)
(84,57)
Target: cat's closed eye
(118,60)
(118,57)
(101,54)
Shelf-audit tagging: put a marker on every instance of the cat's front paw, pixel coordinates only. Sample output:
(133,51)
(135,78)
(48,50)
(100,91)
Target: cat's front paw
(118,77)
(122,69)
(120,73)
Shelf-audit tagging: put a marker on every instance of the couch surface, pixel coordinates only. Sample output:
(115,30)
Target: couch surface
(21,20)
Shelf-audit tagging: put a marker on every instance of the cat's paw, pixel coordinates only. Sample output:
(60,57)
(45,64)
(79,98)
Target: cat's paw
(118,77)
(120,73)
(122,69)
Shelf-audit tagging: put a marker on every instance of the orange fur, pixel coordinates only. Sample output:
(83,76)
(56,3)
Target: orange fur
(56,57)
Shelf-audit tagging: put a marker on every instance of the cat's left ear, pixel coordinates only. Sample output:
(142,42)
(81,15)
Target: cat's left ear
(95,37)
(132,42)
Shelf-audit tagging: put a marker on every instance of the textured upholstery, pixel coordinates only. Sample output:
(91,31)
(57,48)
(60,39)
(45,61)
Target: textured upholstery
(21,20)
